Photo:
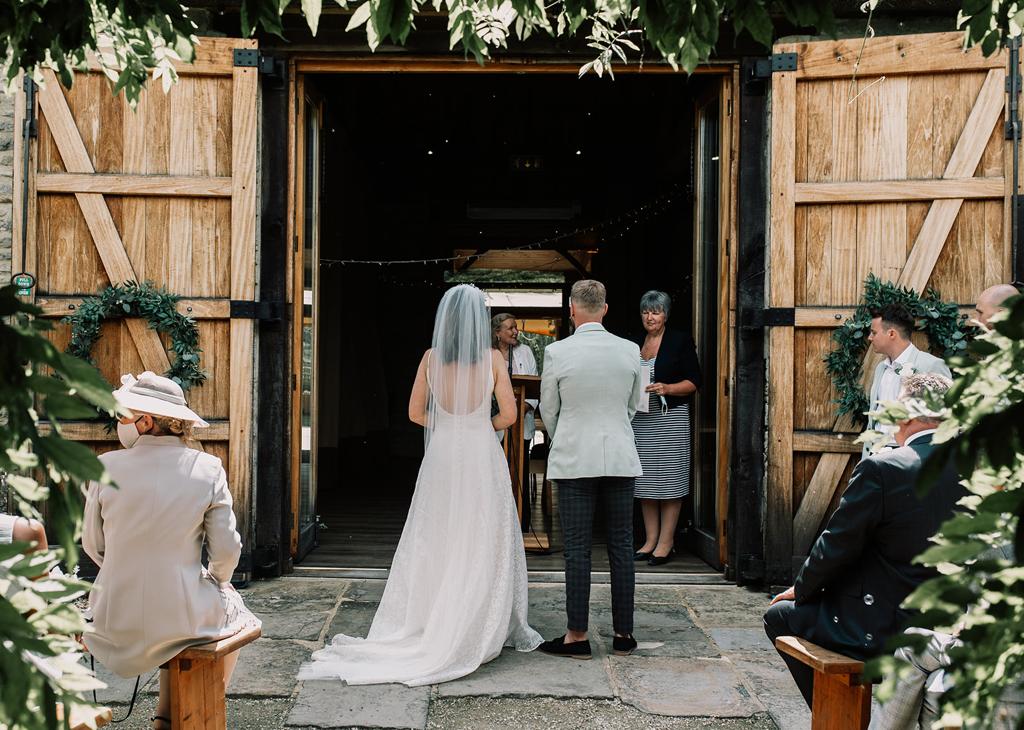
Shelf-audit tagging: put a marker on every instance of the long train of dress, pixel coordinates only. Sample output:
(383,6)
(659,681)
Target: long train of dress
(457,591)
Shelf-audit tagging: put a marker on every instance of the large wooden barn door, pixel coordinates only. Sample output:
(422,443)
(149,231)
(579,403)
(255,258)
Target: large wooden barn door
(164,193)
(900,172)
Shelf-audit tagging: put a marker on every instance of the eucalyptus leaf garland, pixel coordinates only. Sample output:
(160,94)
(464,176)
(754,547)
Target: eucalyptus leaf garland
(947,331)
(146,301)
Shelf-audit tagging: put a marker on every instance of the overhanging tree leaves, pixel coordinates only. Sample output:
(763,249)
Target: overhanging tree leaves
(39,656)
(133,38)
(979,592)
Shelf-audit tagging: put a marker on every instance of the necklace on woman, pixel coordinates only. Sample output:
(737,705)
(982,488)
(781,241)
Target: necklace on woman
(651,347)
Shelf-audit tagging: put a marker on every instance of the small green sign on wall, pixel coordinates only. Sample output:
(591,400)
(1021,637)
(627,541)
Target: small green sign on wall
(24,282)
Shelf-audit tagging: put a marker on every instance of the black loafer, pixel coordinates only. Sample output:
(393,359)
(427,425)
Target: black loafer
(623,645)
(573,649)
(640,556)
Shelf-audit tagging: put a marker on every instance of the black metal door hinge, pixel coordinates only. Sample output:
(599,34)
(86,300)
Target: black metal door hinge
(772,317)
(252,58)
(263,311)
(31,128)
(775,63)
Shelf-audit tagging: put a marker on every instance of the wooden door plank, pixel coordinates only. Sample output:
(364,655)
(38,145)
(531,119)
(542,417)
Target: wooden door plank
(243,286)
(97,216)
(778,532)
(884,191)
(891,55)
(189,186)
(182,150)
(938,223)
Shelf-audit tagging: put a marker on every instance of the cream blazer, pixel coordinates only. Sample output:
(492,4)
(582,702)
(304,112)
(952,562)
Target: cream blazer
(152,597)
(589,393)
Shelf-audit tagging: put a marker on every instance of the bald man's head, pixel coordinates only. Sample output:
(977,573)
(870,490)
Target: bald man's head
(992,299)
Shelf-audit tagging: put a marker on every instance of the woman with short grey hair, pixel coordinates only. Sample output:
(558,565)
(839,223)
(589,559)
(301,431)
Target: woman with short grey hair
(663,431)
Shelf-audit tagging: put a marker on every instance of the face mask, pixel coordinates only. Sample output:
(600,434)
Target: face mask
(128,433)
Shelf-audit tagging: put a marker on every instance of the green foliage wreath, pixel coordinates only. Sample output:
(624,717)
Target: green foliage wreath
(157,307)
(947,331)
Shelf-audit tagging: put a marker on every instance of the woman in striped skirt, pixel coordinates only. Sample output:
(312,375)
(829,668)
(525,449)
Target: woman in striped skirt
(663,432)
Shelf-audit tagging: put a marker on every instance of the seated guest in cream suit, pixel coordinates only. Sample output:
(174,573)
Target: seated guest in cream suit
(153,597)
(589,392)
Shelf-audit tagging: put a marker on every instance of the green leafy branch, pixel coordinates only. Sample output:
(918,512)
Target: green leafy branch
(158,308)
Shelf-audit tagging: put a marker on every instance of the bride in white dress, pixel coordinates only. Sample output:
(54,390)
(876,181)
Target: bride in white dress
(457,589)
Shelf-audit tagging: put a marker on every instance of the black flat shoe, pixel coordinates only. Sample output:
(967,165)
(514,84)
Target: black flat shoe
(655,560)
(639,556)
(623,645)
(573,649)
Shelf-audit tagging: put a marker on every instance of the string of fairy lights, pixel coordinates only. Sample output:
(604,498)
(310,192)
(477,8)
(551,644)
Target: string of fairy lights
(609,230)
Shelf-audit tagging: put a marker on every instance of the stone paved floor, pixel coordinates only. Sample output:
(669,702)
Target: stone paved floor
(703,662)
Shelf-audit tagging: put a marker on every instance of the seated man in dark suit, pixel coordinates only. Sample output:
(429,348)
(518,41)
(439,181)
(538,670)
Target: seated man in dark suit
(847,595)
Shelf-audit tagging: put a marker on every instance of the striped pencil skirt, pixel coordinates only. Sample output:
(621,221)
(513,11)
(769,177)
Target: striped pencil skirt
(663,442)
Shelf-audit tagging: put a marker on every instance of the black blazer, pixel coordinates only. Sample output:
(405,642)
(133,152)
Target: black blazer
(677,361)
(860,569)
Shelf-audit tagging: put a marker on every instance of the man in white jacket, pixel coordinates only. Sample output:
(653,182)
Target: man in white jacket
(590,390)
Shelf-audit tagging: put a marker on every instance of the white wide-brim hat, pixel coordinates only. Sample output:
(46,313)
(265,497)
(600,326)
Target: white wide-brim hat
(156,395)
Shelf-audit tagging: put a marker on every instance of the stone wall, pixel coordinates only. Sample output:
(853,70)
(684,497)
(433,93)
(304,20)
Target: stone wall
(6,183)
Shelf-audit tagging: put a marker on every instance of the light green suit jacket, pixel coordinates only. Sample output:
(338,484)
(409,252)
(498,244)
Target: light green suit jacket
(589,391)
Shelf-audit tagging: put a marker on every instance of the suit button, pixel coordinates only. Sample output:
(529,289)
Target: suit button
(869,600)
(835,619)
(869,637)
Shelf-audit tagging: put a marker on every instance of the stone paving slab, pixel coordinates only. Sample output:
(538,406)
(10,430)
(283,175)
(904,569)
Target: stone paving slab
(742,641)
(365,591)
(268,668)
(726,607)
(310,594)
(353,619)
(293,623)
(533,674)
(770,680)
(683,687)
(334,704)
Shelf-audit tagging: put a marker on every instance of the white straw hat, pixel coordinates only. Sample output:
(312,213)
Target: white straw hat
(156,395)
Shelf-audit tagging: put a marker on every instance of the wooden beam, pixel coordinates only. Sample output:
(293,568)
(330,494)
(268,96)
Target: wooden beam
(194,308)
(828,442)
(97,431)
(148,185)
(243,286)
(97,216)
(882,191)
(829,317)
(779,509)
(436,64)
(889,56)
(986,113)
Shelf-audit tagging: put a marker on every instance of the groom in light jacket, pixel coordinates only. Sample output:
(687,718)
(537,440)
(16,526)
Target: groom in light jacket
(589,392)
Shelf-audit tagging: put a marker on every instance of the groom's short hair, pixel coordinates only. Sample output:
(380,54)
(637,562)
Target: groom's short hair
(588,295)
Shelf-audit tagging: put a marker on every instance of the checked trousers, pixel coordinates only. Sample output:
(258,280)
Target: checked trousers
(577,499)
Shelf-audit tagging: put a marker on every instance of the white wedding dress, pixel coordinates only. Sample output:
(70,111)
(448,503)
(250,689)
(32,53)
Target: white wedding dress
(457,591)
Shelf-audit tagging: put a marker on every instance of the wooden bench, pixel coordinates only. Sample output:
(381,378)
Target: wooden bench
(842,697)
(197,682)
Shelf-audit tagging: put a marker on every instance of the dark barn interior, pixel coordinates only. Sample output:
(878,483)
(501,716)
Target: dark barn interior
(417,166)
